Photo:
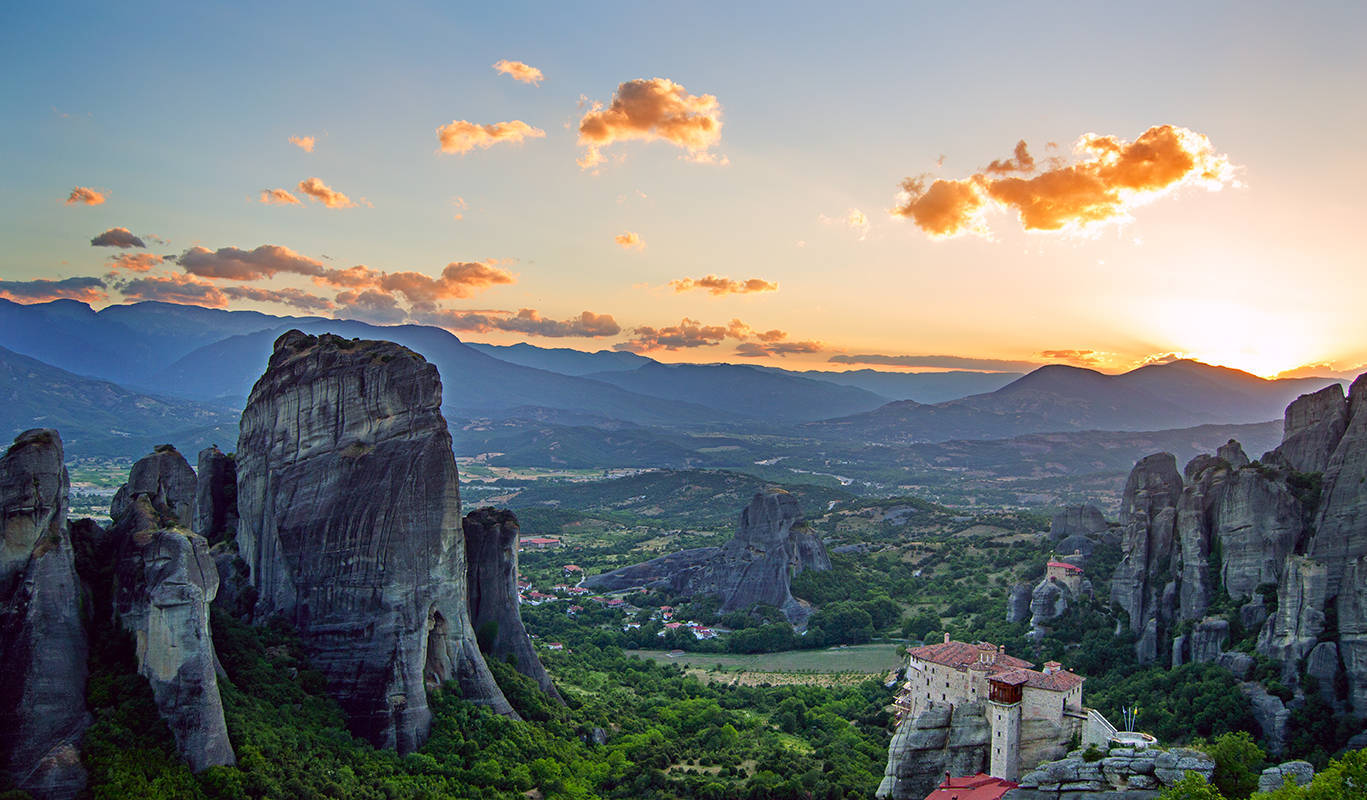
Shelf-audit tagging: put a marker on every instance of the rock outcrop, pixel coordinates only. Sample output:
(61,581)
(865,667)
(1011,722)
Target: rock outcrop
(1144,576)
(164,583)
(216,496)
(42,640)
(1311,430)
(1123,772)
(1299,773)
(1076,521)
(491,538)
(945,738)
(772,544)
(350,526)
(1018,603)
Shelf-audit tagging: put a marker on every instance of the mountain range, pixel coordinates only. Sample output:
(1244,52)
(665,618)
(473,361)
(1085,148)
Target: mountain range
(197,366)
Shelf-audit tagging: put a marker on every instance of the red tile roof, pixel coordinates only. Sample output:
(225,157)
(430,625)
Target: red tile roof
(976,787)
(1057,681)
(960,655)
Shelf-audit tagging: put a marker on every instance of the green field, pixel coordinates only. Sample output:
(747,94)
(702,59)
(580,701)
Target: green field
(870,659)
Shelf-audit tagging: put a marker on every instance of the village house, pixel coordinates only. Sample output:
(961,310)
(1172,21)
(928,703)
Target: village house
(537,543)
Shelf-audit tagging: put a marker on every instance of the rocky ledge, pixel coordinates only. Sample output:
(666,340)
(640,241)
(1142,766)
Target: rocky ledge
(1123,772)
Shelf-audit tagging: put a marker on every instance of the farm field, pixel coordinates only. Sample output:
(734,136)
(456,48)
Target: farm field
(866,659)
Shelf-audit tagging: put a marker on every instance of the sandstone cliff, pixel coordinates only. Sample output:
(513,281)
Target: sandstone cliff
(944,738)
(164,583)
(216,496)
(772,543)
(42,640)
(491,538)
(350,527)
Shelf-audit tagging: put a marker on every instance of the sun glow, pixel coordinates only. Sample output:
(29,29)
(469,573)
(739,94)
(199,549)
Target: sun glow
(1230,335)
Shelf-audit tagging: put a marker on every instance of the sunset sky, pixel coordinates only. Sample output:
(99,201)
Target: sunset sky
(809,186)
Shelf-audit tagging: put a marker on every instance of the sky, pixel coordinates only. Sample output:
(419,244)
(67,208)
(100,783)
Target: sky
(807,185)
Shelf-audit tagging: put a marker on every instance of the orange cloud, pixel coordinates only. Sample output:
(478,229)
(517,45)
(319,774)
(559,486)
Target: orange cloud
(183,289)
(371,305)
(1081,358)
(1110,178)
(42,290)
(461,136)
(234,264)
(458,279)
(304,143)
(721,286)
(325,194)
(652,110)
(278,197)
(519,71)
(780,349)
(86,195)
(692,333)
(629,241)
(297,298)
(135,262)
(935,362)
(117,237)
(527,321)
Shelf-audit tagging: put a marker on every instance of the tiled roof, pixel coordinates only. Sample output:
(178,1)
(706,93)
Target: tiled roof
(962,654)
(976,787)
(1057,681)
(1065,565)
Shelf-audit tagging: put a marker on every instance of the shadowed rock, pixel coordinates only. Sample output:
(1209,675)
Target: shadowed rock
(350,526)
(164,583)
(1076,520)
(1148,517)
(1312,428)
(491,538)
(42,641)
(772,543)
(216,496)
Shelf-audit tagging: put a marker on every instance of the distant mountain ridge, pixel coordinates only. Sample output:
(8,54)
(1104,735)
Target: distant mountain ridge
(1058,398)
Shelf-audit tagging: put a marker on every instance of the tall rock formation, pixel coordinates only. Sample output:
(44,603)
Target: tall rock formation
(350,526)
(216,496)
(772,544)
(491,538)
(945,738)
(1142,584)
(1076,520)
(164,583)
(42,641)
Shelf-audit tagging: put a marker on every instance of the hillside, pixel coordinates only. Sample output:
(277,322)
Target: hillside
(563,359)
(101,419)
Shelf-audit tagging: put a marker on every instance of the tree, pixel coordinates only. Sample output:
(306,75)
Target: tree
(1191,787)
(1238,762)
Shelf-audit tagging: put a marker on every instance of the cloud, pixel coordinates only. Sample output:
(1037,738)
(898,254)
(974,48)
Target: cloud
(234,264)
(278,197)
(652,110)
(691,333)
(1324,369)
(1081,358)
(86,195)
(855,219)
(519,71)
(304,143)
(117,237)
(630,241)
(135,262)
(527,321)
(183,289)
(457,280)
(370,305)
(763,349)
(1110,178)
(297,298)
(936,362)
(325,194)
(42,290)
(720,286)
(461,136)
(1022,161)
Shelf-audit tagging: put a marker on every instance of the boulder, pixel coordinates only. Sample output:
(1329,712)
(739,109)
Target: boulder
(1299,773)
(42,640)
(1271,715)
(350,526)
(491,538)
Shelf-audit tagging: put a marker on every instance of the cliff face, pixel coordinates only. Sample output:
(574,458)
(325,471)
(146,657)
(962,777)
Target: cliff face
(491,538)
(215,496)
(1296,521)
(349,524)
(944,738)
(164,583)
(42,640)
(772,543)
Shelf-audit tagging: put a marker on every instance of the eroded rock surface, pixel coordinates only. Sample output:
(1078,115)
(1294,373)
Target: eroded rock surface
(42,640)
(216,496)
(772,543)
(164,583)
(350,526)
(1123,772)
(491,538)
(945,738)
(1076,520)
